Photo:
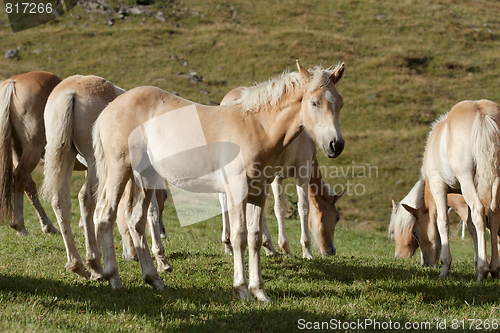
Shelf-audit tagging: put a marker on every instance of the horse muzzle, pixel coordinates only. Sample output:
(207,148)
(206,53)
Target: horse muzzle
(335,148)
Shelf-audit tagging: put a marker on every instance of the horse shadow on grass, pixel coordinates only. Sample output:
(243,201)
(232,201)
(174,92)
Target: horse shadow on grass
(395,277)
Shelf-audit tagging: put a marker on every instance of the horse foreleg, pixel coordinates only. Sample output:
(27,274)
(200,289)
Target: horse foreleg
(226,229)
(279,211)
(138,200)
(267,242)
(255,221)
(239,232)
(128,247)
(440,197)
(153,218)
(303,205)
(105,217)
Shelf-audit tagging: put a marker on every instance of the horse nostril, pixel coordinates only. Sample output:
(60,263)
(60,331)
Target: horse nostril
(337,147)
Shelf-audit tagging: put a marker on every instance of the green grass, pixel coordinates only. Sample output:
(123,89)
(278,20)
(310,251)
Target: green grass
(406,63)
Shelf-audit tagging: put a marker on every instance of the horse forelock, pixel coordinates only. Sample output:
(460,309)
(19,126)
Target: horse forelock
(271,91)
(401,219)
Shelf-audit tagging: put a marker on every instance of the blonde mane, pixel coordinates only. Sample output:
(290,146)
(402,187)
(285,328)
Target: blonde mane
(271,91)
(401,219)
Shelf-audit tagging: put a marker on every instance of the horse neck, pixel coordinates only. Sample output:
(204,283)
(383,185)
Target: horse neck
(282,122)
(319,189)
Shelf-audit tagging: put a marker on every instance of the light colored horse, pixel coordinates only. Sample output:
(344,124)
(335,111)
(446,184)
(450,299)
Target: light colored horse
(22,102)
(260,125)
(72,108)
(316,204)
(462,154)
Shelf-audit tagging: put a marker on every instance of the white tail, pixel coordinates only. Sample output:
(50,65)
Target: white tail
(485,135)
(59,123)
(100,158)
(6,181)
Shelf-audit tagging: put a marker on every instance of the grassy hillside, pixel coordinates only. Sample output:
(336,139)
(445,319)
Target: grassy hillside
(406,63)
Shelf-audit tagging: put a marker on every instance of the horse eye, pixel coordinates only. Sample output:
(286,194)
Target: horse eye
(315,104)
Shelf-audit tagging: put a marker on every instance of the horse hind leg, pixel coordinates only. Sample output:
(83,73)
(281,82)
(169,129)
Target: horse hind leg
(61,204)
(226,229)
(303,205)
(494,221)
(32,194)
(22,173)
(87,207)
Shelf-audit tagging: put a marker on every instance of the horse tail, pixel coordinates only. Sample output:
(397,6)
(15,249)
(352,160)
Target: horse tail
(59,124)
(100,159)
(7,90)
(485,134)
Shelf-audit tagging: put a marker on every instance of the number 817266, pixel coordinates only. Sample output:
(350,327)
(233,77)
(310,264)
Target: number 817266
(474,324)
(28,8)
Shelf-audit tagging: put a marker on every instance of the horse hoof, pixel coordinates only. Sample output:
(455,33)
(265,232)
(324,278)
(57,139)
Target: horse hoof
(260,295)
(127,257)
(50,229)
(23,233)
(480,277)
(155,281)
(116,283)
(243,293)
(307,255)
(164,267)
(228,250)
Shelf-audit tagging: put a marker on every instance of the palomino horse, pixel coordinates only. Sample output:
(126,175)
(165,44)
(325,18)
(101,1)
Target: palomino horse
(316,204)
(462,154)
(407,243)
(71,111)
(22,101)
(244,138)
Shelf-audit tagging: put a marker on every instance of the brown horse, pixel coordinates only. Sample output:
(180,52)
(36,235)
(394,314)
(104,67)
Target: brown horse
(145,133)
(22,102)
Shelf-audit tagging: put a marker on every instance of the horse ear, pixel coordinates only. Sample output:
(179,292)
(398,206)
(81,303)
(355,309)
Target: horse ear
(337,75)
(304,73)
(336,197)
(394,205)
(412,210)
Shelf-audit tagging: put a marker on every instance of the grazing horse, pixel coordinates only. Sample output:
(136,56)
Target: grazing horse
(72,108)
(462,154)
(234,143)
(316,204)
(22,102)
